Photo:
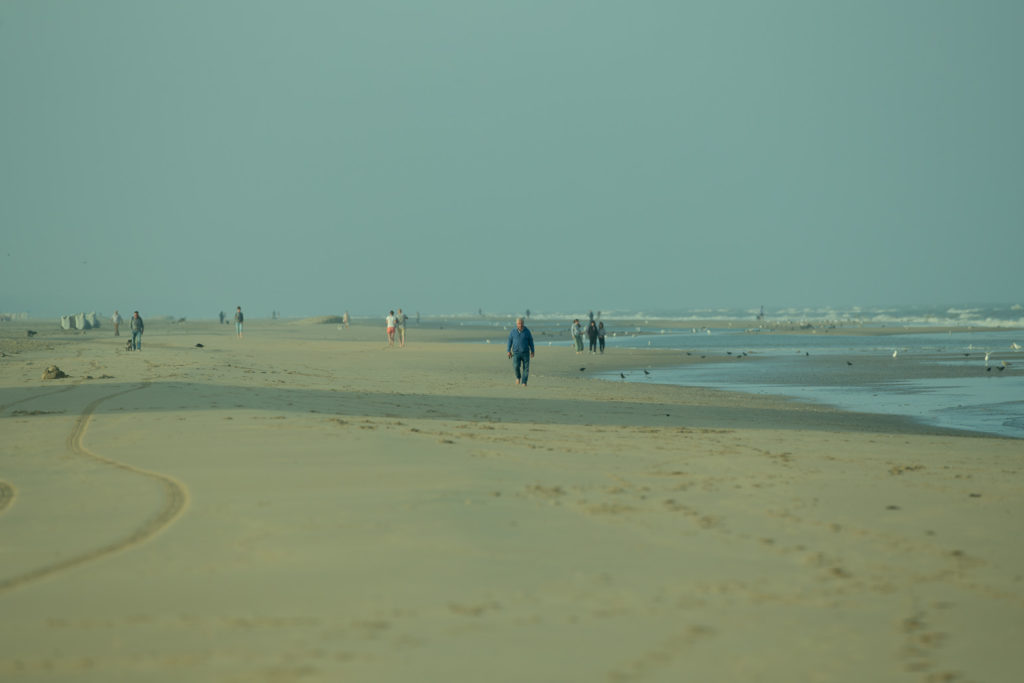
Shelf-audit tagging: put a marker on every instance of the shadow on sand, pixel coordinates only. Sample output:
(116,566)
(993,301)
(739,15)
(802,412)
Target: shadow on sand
(151,397)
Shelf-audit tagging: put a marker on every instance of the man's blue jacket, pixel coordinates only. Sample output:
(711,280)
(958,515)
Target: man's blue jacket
(520,342)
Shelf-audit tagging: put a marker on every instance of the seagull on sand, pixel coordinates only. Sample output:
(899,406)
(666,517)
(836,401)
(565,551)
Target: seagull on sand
(645,371)
(1015,346)
(895,353)
(987,354)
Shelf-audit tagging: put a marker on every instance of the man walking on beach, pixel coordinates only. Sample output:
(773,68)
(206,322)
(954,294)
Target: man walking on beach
(136,326)
(520,350)
(239,319)
(117,323)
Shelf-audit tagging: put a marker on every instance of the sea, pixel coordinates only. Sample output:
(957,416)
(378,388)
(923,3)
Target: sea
(969,376)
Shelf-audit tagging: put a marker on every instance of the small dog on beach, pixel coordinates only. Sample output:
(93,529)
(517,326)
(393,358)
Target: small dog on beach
(128,346)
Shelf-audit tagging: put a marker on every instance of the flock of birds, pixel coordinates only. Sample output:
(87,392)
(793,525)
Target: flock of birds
(1002,364)
(988,356)
(895,354)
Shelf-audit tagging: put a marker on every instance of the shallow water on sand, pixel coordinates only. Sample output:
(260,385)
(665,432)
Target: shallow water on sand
(937,378)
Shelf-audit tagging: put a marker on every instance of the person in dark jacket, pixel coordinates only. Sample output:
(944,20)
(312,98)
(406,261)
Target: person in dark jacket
(592,336)
(520,350)
(136,326)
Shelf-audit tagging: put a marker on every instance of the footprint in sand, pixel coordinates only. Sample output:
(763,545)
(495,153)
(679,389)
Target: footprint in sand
(6,495)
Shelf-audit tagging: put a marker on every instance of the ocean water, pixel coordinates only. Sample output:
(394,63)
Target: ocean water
(937,378)
(973,315)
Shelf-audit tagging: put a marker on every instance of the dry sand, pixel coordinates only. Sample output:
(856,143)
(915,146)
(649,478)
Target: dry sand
(307,504)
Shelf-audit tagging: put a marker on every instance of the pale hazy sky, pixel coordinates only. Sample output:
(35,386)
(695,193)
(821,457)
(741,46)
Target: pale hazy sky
(446,155)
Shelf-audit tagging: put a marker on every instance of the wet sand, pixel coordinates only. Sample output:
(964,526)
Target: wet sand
(308,504)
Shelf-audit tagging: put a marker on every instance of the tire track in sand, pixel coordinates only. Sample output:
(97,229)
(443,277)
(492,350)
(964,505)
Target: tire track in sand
(175,496)
(7,490)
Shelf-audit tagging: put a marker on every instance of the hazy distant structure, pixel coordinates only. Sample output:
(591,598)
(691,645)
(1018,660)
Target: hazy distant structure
(80,321)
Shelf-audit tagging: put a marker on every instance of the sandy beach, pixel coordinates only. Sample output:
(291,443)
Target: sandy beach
(308,504)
